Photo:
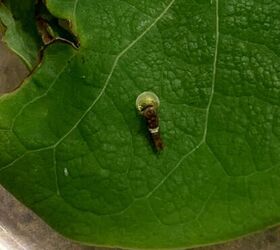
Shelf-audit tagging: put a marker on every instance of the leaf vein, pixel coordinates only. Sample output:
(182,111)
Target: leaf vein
(214,72)
(74,14)
(40,96)
(113,70)
(207,109)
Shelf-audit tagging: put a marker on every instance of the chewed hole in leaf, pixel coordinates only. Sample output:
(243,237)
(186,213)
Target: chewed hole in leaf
(52,28)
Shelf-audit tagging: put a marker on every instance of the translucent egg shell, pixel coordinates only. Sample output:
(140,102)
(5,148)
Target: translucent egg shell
(145,99)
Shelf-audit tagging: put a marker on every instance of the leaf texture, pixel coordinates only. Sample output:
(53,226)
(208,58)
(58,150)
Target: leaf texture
(74,149)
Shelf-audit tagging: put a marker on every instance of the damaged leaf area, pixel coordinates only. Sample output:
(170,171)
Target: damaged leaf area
(28,26)
(21,35)
(74,149)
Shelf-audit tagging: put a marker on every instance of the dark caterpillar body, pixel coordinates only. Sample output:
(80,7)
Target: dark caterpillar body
(152,120)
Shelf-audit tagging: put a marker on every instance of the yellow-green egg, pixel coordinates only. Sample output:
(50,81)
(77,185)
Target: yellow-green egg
(145,99)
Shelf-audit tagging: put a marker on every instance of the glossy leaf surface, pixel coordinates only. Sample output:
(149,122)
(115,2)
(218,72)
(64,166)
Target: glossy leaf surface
(74,149)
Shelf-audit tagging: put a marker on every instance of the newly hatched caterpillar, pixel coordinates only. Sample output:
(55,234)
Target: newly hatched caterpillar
(147,104)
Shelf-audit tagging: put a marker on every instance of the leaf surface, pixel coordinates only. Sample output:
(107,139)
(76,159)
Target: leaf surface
(74,149)
(21,33)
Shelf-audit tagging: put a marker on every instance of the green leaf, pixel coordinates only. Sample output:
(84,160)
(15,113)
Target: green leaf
(75,151)
(21,34)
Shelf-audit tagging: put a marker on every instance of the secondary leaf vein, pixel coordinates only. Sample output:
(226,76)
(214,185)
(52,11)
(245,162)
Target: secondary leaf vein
(113,69)
(207,109)
(40,96)
(214,71)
